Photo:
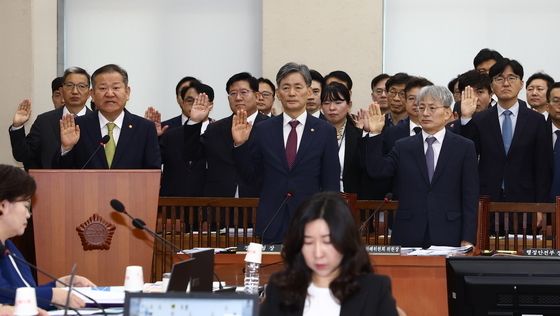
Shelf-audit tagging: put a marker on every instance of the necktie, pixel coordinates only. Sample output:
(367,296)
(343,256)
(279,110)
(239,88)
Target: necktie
(417,130)
(110,146)
(291,144)
(430,157)
(507,132)
(555,188)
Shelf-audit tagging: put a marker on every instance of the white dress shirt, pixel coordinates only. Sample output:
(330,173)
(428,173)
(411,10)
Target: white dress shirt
(116,130)
(302,118)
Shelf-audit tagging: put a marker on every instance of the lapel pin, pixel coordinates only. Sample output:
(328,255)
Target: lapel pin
(312,129)
(129,125)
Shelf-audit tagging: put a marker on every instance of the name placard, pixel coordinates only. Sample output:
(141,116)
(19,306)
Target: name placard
(386,250)
(541,252)
(265,248)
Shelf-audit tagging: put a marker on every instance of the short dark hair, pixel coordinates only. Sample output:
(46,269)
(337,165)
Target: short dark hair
(78,71)
(556,85)
(182,81)
(57,84)
(268,82)
(475,79)
(486,54)
(243,76)
(451,84)
(296,276)
(200,88)
(335,91)
(342,76)
(108,69)
(501,65)
(398,78)
(377,79)
(315,75)
(541,75)
(292,67)
(416,82)
(15,184)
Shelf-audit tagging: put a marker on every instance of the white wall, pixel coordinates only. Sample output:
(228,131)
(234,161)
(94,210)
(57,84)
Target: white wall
(159,42)
(438,39)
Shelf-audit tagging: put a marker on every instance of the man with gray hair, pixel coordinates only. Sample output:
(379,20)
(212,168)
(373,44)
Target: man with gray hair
(435,175)
(292,155)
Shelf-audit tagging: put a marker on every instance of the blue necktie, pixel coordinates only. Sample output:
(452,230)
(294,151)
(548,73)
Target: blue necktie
(555,188)
(430,157)
(507,132)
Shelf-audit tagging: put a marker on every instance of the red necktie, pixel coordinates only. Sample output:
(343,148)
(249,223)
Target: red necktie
(291,144)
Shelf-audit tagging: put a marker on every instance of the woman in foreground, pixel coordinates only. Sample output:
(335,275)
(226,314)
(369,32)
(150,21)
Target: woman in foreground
(327,269)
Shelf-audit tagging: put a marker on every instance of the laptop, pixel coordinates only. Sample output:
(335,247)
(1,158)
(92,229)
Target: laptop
(199,304)
(196,273)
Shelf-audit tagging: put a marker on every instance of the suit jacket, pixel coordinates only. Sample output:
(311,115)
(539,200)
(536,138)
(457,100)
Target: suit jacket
(446,208)
(173,122)
(352,170)
(214,150)
(137,147)
(10,280)
(526,170)
(262,159)
(373,298)
(36,150)
(182,174)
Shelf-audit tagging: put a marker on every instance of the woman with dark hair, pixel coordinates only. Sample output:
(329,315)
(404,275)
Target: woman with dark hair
(327,269)
(16,190)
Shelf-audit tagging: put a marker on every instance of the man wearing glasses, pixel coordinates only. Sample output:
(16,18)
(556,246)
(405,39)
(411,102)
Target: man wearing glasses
(515,156)
(37,149)
(396,97)
(265,99)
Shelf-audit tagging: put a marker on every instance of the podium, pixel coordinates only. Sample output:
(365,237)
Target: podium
(73,222)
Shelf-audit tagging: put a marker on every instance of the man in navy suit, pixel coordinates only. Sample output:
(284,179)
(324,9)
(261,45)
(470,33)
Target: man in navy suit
(133,142)
(180,120)
(293,155)
(434,173)
(515,154)
(36,150)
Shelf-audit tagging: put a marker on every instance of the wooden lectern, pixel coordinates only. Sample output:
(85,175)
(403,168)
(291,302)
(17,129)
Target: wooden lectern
(73,220)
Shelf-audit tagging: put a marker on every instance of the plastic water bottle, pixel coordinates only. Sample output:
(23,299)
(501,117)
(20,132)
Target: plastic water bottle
(252,278)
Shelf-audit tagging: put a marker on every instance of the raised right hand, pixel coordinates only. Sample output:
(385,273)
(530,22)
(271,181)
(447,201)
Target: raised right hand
(200,109)
(372,119)
(240,128)
(468,102)
(153,115)
(23,113)
(69,132)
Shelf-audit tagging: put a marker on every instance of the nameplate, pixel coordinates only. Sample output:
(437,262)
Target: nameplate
(265,248)
(541,252)
(384,250)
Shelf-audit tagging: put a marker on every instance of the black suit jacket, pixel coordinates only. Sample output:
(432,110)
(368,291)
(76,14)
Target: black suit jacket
(526,170)
(214,150)
(36,150)
(137,147)
(352,170)
(444,209)
(173,122)
(373,298)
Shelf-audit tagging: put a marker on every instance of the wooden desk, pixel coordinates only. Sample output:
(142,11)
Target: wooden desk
(419,283)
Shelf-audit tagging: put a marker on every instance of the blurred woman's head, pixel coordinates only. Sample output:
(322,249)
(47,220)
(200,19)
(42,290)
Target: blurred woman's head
(16,190)
(335,102)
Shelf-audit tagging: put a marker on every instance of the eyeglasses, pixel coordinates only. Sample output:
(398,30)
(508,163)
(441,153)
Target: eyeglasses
(80,86)
(379,91)
(189,100)
(500,80)
(431,109)
(392,93)
(244,93)
(266,94)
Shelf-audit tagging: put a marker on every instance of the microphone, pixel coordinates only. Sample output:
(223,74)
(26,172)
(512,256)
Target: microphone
(70,282)
(288,195)
(388,198)
(102,143)
(6,252)
(140,224)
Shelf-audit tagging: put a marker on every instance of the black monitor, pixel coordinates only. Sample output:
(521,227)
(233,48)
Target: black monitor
(503,286)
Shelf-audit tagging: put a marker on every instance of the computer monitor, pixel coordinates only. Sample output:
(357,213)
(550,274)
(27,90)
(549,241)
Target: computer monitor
(199,304)
(196,272)
(503,286)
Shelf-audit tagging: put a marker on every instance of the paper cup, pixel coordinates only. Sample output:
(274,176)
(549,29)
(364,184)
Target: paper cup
(134,279)
(26,302)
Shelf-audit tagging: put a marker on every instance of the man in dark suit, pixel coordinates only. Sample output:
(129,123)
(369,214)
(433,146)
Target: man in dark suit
(265,99)
(434,173)
(553,130)
(179,120)
(515,158)
(36,150)
(293,155)
(313,104)
(133,142)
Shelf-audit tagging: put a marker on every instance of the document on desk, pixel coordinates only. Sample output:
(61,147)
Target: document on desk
(110,295)
(441,251)
(88,311)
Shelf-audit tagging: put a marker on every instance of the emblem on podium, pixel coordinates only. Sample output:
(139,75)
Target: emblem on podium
(96,233)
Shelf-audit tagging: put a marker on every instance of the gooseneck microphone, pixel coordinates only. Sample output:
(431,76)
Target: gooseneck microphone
(140,224)
(102,143)
(6,252)
(388,198)
(284,201)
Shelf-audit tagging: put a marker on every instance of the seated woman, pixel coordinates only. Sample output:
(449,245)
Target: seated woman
(327,269)
(16,190)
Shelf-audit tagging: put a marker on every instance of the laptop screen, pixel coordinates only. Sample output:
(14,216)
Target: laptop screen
(199,304)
